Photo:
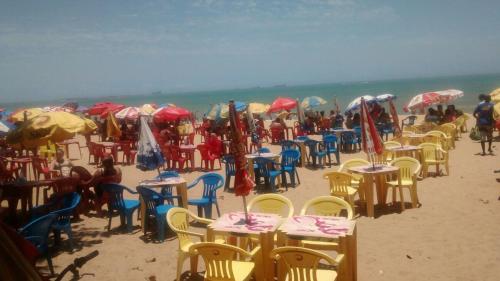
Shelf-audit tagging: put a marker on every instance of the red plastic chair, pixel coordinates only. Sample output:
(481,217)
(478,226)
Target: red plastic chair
(297,130)
(206,156)
(277,135)
(165,150)
(128,152)
(41,167)
(177,158)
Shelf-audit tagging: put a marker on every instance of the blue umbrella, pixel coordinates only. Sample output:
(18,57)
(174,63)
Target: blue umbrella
(385,97)
(221,110)
(149,155)
(5,127)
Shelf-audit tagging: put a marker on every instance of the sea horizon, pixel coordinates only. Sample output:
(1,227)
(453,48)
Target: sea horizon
(199,101)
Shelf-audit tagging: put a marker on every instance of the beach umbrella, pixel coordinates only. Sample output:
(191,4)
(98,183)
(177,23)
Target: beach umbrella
(82,108)
(372,143)
(50,126)
(148,108)
(130,112)
(356,103)
(149,155)
(313,101)
(258,108)
(170,114)
(497,110)
(385,97)
(395,119)
(495,95)
(243,184)
(422,101)
(18,115)
(5,127)
(112,127)
(450,95)
(282,103)
(56,109)
(71,105)
(221,110)
(102,108)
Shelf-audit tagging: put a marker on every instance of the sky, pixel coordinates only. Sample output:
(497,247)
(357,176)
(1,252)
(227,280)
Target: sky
(51,49)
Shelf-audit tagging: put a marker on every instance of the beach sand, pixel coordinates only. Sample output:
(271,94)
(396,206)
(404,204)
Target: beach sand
(454,235)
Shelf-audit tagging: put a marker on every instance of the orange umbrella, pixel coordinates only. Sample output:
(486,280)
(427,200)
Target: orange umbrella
(282,103)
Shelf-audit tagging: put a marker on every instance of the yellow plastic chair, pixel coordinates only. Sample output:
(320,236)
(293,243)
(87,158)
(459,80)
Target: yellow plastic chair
(48,151)
(433,154)
(402,140)
(220,261)
(409,168)
(356,162)
(389,155)
(450,130)
(444,140)
(459,123)
(178,221)
(302,264)
(341,186)
(272,204)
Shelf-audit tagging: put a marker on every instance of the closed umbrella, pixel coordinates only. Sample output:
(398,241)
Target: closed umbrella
(112,127)
(395,119)
(149,155)
(372,143)
(243,184)
(421,101)
(282,103)
(356,103)
(313,101)
(50,126)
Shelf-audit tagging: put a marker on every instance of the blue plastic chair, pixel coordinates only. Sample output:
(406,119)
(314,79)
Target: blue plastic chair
(211,182)
(357,131)
(167,190)
(124,207)
(289,160)
(230,168)
(385,130)
(331,147)
(349,141)
(63,221)
(155,208)
(266,169)
(316,151)
(287,144)
(37,232)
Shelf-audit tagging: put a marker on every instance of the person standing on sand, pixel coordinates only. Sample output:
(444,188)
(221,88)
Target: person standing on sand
(484,121)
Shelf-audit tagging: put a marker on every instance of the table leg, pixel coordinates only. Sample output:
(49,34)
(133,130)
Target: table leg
(182,192)
(381,189)
(142,209)
(353,254)
(368,179)
(302,154)
(267,245)
(343,270)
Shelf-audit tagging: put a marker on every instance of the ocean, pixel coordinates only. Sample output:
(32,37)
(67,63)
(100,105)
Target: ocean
(200,101)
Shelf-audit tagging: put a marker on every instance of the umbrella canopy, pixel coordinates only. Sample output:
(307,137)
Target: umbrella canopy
(422,101)
(18,115)
(130,112)
(149,155)
(372,143)
(50,126)
(71,105)
(102,108)
(448,96)
(57,108)
(385,97)
(221,110)
(243,184)
(112,128)
(5,127)
(356,103)
(170,113)
(258,108)
(497,110)
(282,103)
(148,108)
(495,95)
(313,101)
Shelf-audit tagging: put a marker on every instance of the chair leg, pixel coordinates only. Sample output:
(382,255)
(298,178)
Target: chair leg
(180,262)
(297,174)
(402,198)
(110,214)
(208,211)
(70,236)
(160,228)
(217,208)
(193,264)
(414,195)
(129,221)
(200,211)
(49,262)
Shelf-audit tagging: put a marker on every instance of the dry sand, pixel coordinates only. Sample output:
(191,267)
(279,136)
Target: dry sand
(454,235)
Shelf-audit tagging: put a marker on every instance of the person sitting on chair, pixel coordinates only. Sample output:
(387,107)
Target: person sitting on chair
(61,165)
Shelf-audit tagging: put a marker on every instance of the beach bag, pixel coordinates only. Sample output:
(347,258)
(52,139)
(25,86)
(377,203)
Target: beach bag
(474,134)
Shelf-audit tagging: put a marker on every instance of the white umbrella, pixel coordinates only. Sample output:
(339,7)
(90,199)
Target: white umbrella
(450,95)
(356,103)
(385,97)
(130,112)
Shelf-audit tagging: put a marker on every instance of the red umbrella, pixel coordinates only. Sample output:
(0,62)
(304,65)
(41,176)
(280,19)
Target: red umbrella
(371,140)
(422,101)
(102,108)
(395,118)
(112,109)
(282,104)
(170,113)
(243,184)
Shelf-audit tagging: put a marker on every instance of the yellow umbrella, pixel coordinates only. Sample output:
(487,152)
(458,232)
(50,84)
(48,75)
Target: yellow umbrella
(50,126)
(495,95)
(31,113)
(147,109)
(112,128)
(258,108)
(497,111)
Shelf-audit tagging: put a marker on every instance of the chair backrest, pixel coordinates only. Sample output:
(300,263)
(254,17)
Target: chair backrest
(339,182)
(204,151)
(429,151)
(229,164)
(211,182)
(327,206)
(356,162)
(290,157)
(301,263)
(408,167)
(65,185)
(391,144)
(264,166)
(330,142)
(115,192)
(83,173)
(349,137)
(272,204)
(287,144)
(175,152)
(218,259)
(151,199)
(313,146)
(178,221)
(38,230)
(168,174)
(69,203)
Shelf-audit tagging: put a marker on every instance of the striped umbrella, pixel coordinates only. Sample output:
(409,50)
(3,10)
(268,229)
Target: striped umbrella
(130,112)
(372,143)
(422,101)
(221,110)
(313,101)
(356,103)
(450,95)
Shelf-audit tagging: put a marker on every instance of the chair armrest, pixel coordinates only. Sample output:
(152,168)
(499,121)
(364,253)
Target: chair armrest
(199,235)
(130,190)
(193,184)
(255,252)
(202,220)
